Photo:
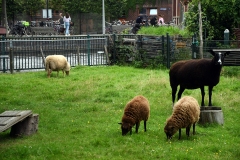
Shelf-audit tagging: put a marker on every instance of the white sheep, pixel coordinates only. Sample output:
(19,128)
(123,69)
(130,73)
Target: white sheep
(56,63)
(185,113)
(136,110)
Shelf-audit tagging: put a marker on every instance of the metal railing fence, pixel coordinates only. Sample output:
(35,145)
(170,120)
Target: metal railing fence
(27,53)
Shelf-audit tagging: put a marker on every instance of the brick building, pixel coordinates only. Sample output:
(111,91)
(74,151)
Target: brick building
(172,10)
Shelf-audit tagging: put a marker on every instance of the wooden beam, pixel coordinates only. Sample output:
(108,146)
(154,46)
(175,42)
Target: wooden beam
(227,50)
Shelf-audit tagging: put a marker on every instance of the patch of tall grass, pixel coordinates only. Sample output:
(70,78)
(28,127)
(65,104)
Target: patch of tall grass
(163,30)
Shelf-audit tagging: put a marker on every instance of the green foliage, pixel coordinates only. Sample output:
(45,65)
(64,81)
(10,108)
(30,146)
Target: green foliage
(13,7)
(216,15)
(125,54)
(31,7)
(79,115)
(163,30)
(57,4)
(231,71)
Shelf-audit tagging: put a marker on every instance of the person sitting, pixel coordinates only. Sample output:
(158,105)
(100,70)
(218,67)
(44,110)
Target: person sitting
(160,20)
(153,21)
(139,20)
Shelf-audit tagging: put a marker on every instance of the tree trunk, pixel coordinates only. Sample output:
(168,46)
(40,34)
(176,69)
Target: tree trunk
(4,16)
(210,115)
(200,30)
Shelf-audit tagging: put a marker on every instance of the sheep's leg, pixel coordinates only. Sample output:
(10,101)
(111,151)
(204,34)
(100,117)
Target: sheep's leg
(145,126)
(57,73)
(179,136)
(131,131)
(180,92)
(174,91)
(188,130)
(193,128)
(203,94)
(137,126)
(49,73)
(210,95)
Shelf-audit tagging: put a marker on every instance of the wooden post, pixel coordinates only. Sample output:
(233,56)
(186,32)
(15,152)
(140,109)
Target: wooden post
(11,60)
(106,52)
(78,56)
(211,115)
(26,127)
(43,58)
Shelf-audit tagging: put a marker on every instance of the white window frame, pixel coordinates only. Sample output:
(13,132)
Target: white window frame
(153,11)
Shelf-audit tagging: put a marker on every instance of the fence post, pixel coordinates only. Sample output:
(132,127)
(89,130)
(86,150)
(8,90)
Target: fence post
(3,53)
(11,58)
(163,43)
(226,37)
(78,56)
(88,49)
(194,44)
(114,48)
(168,51)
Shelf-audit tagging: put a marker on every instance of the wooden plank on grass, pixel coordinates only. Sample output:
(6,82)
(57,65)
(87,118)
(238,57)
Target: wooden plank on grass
(10,118)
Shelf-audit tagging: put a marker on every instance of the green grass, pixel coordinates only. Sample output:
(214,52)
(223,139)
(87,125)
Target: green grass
(79,115)
(163,30)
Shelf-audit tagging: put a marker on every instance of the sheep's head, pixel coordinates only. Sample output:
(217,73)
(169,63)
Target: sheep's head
(126,127)
(170,131)
(218,57)
(68,68)
(67,73)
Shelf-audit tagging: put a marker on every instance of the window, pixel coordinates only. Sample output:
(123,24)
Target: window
(153,11)
(142,11)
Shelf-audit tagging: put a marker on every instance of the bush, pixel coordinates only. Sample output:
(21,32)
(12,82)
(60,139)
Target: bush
(171,30)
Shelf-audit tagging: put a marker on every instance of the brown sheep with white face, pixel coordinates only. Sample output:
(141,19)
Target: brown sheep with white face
(136,110)
(185,113)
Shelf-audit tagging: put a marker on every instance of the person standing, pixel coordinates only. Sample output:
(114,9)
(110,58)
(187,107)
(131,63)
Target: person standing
(160,20)
(60,20)
(67,20)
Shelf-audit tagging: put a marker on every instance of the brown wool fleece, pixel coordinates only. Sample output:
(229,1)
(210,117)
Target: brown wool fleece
(136,110)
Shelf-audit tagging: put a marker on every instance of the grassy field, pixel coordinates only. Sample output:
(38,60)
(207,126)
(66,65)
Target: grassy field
(79,115)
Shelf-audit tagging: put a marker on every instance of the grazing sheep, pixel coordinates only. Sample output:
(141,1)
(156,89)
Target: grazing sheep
(135,111)
(56,63)
(185,113)
(193,74)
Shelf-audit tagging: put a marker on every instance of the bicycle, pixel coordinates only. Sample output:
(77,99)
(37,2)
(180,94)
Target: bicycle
(18,30)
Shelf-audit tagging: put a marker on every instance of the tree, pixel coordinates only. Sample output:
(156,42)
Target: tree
(200,29)
(217,16)
(113,8)
(30,7)
(4,13)
(13,8)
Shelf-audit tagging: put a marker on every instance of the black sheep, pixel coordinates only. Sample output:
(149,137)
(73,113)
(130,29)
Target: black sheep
(193,74)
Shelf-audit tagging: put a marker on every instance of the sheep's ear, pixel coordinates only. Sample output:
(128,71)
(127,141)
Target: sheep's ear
(212,52)
(120,123)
